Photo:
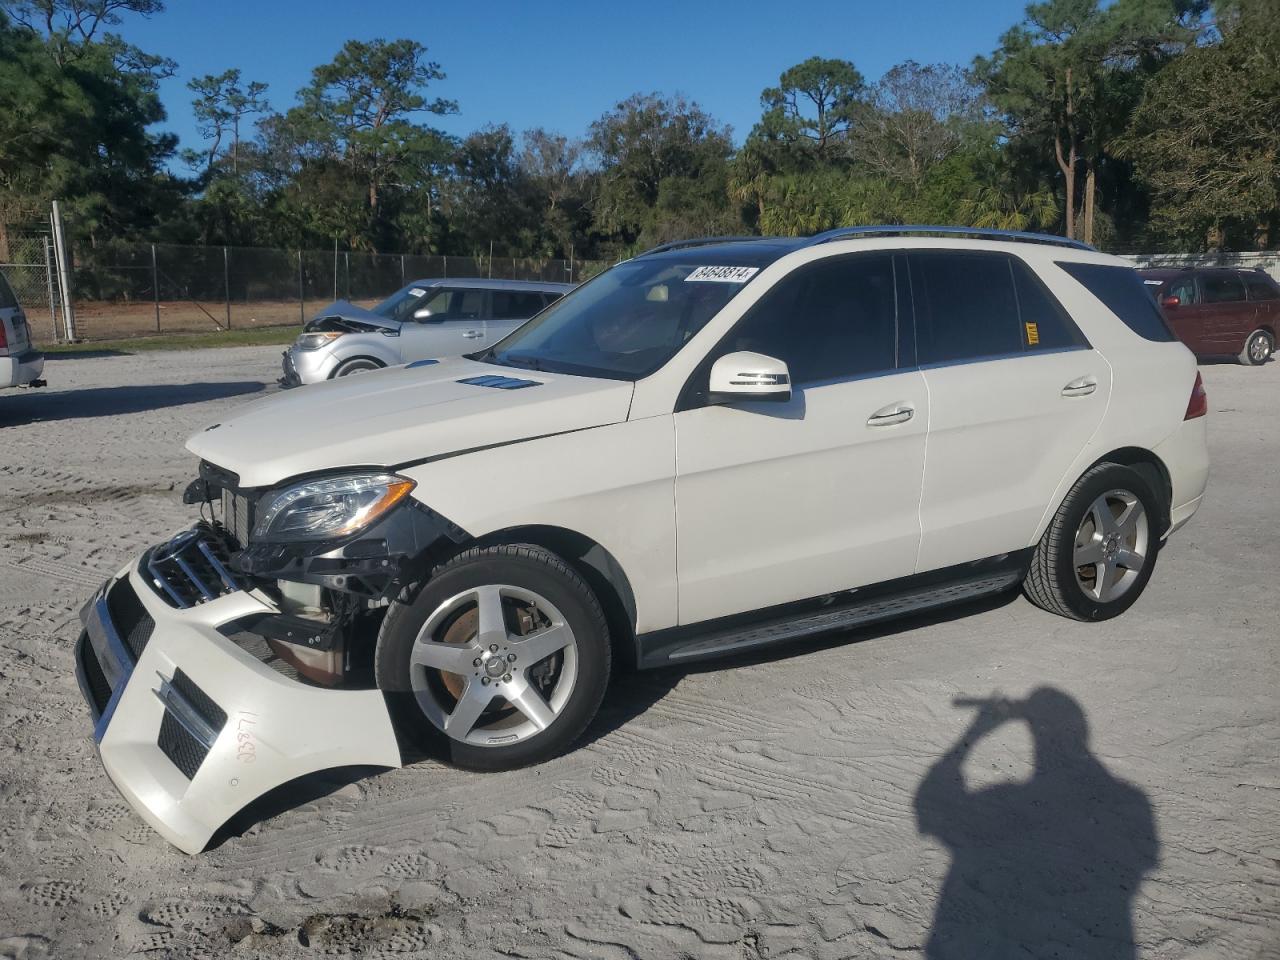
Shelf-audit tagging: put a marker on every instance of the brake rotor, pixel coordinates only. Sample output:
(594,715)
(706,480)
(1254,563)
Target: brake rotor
(463,630)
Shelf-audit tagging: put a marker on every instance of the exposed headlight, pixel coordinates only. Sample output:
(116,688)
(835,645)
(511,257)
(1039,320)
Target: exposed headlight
(328,508)
(314,341)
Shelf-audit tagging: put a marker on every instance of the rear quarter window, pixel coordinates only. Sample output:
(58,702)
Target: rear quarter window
(7,300)
(1122,291)
(1262,288)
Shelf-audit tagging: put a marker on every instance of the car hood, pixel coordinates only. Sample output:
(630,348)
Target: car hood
(395,416)
(345,310)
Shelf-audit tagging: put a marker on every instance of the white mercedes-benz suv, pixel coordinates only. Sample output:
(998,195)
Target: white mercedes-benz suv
(717,446)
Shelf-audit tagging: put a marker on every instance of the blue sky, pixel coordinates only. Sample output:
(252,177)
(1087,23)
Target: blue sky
(561,65)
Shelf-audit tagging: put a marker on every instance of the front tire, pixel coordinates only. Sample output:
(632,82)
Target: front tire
(1097,555)
(358,365)
(1258,348)
(500,661)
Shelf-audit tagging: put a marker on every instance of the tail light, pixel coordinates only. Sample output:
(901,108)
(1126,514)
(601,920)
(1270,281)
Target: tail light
(4,337)
(1198,406)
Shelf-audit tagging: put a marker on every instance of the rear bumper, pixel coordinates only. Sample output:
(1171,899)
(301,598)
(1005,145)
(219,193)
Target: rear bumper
(20,370)
(191,726)
(1185,454)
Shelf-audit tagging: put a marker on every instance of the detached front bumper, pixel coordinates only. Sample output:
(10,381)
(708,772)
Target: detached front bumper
(307,366)
(191,725)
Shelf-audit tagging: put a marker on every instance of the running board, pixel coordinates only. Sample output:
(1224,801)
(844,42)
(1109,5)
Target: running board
(856,608)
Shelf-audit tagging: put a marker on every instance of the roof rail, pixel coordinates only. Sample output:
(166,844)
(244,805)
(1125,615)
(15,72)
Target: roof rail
(697,242)
(916,229)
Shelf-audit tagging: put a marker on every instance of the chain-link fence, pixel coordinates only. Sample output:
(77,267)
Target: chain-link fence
(27,263)
(136,289)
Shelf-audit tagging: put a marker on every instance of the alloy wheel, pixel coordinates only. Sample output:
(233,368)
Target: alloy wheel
(494,665)
(1111,545)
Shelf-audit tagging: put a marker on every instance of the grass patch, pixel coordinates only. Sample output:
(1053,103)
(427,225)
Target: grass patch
(259,336)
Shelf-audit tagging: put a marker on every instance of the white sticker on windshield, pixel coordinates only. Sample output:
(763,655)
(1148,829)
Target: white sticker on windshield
(1153,283)
(723,274)
(416,292)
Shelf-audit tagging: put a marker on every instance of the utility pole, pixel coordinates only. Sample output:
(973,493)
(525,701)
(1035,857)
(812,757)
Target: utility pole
(226,283)
(64,275)
(335,267)
(155,285)
(490,259)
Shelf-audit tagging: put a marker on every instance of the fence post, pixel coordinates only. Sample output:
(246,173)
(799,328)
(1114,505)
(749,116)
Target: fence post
(48,277)
(226,283)
(490,259)
(155,285)
(335,267)
(64,275)
(571,263)
(346,259)
(302,296)
(445,267)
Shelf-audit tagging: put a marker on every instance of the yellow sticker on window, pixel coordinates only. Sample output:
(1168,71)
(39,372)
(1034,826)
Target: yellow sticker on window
(1033,334)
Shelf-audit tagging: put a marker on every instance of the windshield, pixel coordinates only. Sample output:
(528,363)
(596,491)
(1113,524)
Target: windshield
(624,324)
(400,305)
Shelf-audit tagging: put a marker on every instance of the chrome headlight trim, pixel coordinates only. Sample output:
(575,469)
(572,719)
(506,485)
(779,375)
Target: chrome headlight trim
(327,508)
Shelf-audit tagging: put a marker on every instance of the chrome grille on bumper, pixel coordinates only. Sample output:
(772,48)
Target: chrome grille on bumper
(194,567)
(191,723)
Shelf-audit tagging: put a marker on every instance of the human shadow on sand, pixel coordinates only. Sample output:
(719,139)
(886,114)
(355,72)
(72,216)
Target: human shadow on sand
(45,404)
(1047,867)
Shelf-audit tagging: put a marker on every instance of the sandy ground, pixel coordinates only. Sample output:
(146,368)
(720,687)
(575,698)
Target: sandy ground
(825,802)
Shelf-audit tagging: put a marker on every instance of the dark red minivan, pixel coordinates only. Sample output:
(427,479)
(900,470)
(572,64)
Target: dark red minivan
(1220,311)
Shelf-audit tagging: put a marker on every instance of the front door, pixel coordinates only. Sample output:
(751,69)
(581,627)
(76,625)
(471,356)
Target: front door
(778,502)
(454,325)
(1015,393)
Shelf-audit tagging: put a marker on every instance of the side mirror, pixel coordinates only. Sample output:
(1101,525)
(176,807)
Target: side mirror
(422,313)
(749,376)
(1169,301)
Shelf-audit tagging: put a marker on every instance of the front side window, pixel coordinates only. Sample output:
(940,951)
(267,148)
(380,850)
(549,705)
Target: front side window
(401,304)
(966,306)
(452,305)
(1221,288)
(1261,289)
(627,322)
(829,320)
(1185,290)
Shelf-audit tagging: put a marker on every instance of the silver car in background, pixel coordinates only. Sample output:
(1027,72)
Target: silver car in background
(20,363)
(424,320)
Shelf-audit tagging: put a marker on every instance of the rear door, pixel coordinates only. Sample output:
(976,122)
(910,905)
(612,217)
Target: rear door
(456,325)
(1015,393)
(1228,315)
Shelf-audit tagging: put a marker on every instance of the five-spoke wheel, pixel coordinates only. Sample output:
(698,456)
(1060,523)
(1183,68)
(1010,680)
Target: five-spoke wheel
(500,660)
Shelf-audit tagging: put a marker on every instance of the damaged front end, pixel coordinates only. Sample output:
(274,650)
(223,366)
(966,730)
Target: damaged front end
(217,668)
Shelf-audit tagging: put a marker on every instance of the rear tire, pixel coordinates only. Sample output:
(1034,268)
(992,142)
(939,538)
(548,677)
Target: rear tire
(358,365)
(1097,555)
(500,661)
(1258,349)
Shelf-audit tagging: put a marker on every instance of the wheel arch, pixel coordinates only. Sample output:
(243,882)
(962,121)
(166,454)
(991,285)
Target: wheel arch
(1145,462)
(595,564)
(359,356)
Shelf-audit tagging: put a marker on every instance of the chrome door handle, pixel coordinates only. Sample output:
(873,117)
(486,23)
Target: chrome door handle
(894,413)
(473,334)
(1080,387)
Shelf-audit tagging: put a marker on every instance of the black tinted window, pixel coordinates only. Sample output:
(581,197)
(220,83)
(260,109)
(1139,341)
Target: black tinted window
(1261,289)
(1221,288)
(965,304)
(517,305)
(7,299)
(1125,295)
(1046,325)
(833,319)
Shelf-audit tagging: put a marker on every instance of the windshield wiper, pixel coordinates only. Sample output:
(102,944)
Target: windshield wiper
(529,363)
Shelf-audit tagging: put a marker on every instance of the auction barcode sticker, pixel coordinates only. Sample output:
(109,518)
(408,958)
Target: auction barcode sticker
(723,274)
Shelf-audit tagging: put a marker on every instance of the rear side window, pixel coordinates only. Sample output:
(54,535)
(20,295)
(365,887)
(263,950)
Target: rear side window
(1221,288)
(966,306)
(1261,289)
(1046,325)
(516,305)
(1125,295)
(7,300)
